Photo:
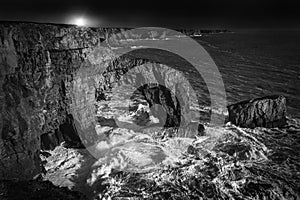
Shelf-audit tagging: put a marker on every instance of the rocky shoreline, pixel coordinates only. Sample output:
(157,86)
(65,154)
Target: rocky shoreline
(53,75)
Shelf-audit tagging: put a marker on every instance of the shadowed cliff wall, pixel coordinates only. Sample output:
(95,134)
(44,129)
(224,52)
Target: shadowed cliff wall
(37,63)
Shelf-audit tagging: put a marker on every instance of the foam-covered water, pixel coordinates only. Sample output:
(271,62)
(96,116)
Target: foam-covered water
(228,163)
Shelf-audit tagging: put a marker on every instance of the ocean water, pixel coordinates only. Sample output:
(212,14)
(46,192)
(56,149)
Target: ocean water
(258,63)
(252,64)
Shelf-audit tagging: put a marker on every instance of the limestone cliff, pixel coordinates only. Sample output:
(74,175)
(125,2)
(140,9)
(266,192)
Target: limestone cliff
(37,62)
(50,75)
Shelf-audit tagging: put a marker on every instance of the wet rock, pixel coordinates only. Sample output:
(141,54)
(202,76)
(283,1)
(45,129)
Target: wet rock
(267,112)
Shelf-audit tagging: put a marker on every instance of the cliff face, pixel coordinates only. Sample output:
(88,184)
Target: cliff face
(37,62)
(50,75)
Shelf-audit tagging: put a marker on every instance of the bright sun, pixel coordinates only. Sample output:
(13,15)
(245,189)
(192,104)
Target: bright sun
(80,21)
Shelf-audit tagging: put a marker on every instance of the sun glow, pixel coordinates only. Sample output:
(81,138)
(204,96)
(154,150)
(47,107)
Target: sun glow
(80,21)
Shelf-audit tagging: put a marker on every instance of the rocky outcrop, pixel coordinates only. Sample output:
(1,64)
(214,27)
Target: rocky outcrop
(147,81)
(267,112)
(160,95)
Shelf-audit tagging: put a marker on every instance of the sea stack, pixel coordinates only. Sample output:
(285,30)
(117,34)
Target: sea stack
(269,112)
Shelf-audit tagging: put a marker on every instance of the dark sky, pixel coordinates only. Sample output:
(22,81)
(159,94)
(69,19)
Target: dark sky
(232,14)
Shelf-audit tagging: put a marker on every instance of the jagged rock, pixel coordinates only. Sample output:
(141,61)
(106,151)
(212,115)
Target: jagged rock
(26,190)
(267,112)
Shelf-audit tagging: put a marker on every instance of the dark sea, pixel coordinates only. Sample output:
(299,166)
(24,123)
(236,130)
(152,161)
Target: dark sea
(255,63)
